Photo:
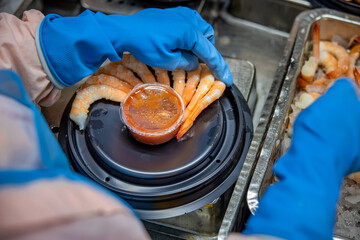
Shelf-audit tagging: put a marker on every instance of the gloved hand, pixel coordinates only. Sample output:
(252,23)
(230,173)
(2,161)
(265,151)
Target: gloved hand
(74,47)
(325,148)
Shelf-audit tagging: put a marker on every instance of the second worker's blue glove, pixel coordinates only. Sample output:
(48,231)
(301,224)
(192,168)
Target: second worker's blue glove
(325,148)
(74,47)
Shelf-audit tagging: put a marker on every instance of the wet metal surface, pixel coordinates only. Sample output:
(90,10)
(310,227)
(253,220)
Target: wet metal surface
(260,45)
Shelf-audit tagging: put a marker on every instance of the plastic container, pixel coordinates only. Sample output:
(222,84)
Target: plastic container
(153,113)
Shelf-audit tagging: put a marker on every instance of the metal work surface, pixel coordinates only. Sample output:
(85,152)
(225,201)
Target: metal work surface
(263,46)
(331,22)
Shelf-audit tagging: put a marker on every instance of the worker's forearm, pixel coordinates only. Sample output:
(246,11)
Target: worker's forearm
(18,52)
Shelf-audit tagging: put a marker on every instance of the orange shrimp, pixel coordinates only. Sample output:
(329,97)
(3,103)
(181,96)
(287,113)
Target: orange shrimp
(214,93)
(354,55)
(355,40)
(357,77)
(310,66)
(193,78)
(162,76)
(104,79)
(179,81)
(342,58)
(206,81)
(86,96)
(328,61)
(306,99)
(117,70)
(129,61)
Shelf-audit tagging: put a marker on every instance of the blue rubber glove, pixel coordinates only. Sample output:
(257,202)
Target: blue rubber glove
(75,47)
(325,148)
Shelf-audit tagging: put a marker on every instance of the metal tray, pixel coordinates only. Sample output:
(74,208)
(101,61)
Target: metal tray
(331,22)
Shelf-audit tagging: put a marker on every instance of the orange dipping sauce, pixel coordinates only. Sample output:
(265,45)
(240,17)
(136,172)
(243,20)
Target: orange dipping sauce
(153,113)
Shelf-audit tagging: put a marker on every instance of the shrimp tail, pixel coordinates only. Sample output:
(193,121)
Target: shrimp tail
(357,77)
(86,96)
(316,41)
(185,126)
(214,93)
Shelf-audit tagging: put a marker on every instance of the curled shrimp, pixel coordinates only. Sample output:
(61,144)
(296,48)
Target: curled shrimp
(354,55)
(129,61)
(206,81)
(213,94)
(104,79)
(179,81)
(117,70)
(193,78)
(306,99)
(342,58)
(310,66)
(357,77)
(162,76)
(355,40)
(86,96)
(328,61)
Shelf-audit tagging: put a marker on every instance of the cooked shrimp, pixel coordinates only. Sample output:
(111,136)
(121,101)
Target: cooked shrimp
(354,55)
(214,93)
(310,66)
(111,81)
(355,40)
(129,61)
(193,78)
(355,176)
(206,81)
(357,77)
(342,58)
(328,61)
(86,96)
(162,76)
(117,70)
(179,80)
(306,99)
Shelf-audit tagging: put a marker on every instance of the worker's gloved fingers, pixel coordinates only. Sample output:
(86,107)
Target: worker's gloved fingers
(333,122)
(187,61)
(213,59)
(65,43)
(197,21)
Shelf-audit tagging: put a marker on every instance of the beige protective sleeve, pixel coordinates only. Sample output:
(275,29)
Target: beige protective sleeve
(18,52)
(60,208)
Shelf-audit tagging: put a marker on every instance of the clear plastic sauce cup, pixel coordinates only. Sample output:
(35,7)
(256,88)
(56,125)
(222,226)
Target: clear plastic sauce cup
(153,113)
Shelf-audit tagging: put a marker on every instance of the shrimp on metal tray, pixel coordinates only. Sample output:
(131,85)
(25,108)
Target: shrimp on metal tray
(213,94)
(141,69)
(162,76)
(310,66)
(108,80)
(357,77)
(341,55)
(179,81)
(193,78)
(354,55)
(86,96)
(206,81)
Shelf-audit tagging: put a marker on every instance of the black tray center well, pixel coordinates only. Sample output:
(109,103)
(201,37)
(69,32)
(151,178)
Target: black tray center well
(111,142)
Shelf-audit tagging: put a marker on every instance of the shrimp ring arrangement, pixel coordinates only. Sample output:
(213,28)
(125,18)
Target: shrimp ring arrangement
(170,178)
(327,62)
(114,81)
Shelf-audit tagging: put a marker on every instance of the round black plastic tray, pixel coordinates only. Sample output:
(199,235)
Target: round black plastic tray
(169,179)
